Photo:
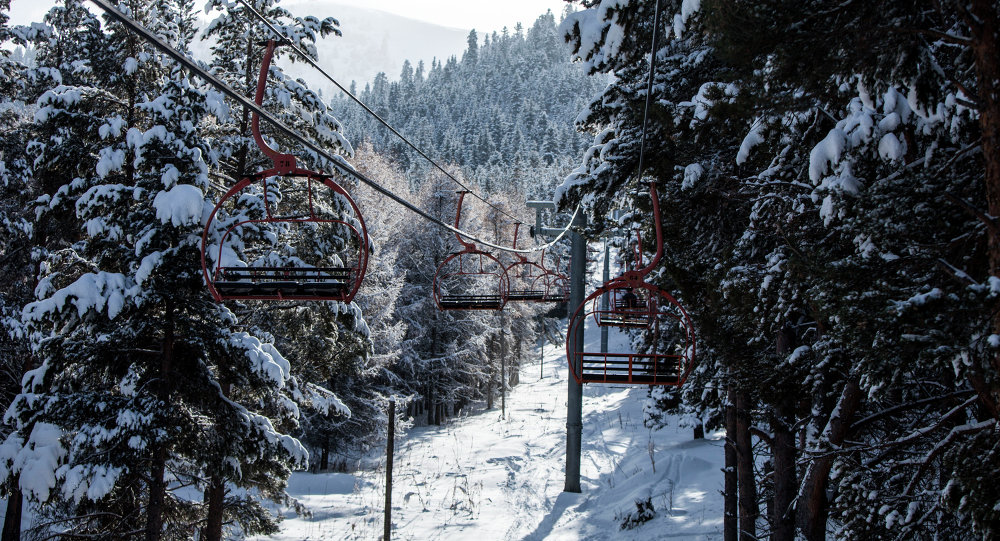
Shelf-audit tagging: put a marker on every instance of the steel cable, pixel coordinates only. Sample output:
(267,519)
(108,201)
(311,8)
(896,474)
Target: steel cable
(337,161)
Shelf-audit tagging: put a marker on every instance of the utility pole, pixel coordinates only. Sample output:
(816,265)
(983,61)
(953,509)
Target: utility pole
(574,397)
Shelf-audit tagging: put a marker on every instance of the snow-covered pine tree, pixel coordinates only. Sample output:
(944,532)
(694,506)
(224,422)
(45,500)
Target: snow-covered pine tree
(444,359)
(43,141)
(885,148)
(126,408)
(837,269)
(17,189)
(326,342)
(365,385)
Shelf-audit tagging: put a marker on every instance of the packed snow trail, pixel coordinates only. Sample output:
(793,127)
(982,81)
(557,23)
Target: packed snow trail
(487,477)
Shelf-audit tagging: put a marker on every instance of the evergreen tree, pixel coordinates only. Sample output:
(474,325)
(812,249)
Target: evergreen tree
(17,189)
(130,399)
(801,154)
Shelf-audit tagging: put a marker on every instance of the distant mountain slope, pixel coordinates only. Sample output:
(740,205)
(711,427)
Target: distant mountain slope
(374,41)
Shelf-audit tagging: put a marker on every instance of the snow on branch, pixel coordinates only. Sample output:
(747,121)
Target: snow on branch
(36,461)
(99,292)
(264,358)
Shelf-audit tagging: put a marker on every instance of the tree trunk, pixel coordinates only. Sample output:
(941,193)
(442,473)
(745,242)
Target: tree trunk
(157,484)
(768,474)
(783,511)
(215,495)
(157,493)
(986,50)
(430,406)
(324,455)
(12,520)
(699,431)
(744,469)
(730,516)
(15,500)
(241,154)
(818,475)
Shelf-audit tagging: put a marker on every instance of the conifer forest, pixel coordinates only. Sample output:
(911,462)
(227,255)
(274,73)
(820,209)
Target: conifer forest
(215,277)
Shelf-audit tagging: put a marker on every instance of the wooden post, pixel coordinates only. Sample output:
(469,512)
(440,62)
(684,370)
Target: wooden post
(503,378)
(389,445)
(541,350)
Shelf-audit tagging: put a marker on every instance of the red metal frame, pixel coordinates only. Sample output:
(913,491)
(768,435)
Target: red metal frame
(656,368)
(556,283)
(517,290)
(492,269)
(286,282)
(634,304)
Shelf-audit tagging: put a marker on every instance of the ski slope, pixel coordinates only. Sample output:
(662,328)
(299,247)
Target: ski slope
(486,476)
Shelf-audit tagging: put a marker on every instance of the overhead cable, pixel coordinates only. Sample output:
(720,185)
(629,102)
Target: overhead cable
(337,161)
(367,109)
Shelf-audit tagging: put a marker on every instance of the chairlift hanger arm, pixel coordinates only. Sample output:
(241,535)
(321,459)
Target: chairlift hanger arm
(642,145)
(338,162)
(281,161)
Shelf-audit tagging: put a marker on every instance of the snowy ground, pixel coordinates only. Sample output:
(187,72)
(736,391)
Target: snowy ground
(486,477)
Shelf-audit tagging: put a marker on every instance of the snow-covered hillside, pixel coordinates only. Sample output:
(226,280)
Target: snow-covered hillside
(486,476)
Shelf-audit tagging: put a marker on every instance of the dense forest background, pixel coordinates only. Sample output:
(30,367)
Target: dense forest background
(829,174)
(505,111)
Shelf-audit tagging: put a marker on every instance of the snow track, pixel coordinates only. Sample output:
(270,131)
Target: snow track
(488,477)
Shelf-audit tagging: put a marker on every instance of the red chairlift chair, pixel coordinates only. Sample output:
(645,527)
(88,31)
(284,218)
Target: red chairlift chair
(555,283)
(636,305)
(283,277)
(523,276)
(470,279)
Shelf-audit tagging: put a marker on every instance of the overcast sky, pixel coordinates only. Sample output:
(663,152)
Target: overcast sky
(483,15)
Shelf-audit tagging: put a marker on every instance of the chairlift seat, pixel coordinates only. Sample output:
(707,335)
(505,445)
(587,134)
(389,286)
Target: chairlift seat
(527,296)
(292,283)
(471,302)
(284,283)
(629,319)
(463,276)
